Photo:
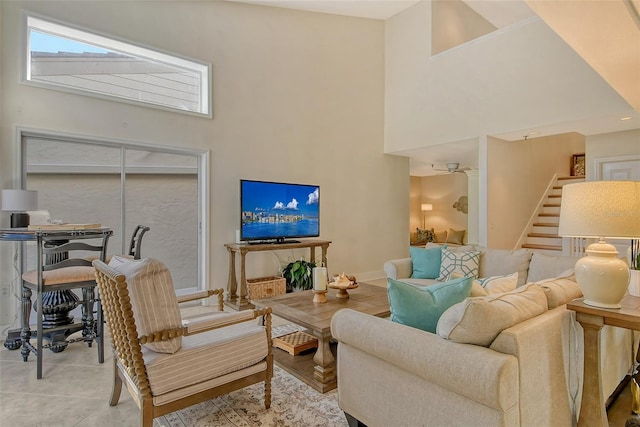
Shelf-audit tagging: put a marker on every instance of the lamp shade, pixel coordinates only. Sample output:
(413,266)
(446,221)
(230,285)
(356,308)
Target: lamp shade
(600,209)
(19,200)
(426,207)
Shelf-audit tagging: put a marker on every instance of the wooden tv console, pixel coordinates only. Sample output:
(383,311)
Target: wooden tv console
(237,297)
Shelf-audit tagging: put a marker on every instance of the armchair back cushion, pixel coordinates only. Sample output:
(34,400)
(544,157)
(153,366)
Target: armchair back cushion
(153,299)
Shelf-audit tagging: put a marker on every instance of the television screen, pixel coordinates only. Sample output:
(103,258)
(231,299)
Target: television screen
(278,211)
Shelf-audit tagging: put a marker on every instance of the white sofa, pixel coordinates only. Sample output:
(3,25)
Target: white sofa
(530,374)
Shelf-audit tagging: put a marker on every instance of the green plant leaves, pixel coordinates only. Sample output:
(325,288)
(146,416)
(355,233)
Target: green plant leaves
(298,275)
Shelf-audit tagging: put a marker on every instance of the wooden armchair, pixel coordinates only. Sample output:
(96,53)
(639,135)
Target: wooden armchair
(169,366)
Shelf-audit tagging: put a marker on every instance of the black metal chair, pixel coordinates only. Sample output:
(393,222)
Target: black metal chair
(61,267)
(136,241)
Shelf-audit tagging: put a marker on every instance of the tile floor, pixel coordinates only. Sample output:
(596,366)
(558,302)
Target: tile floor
(75,390)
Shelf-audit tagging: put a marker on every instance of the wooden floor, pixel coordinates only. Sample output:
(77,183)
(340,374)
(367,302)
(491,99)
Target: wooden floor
(620,409)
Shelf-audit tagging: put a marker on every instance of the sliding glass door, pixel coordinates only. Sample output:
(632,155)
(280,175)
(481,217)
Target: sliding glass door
(121,185)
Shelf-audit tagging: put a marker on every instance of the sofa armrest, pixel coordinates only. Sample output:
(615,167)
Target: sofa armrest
(398,268)
(476,373)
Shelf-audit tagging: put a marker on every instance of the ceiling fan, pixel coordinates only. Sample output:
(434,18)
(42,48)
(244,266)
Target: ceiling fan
(452,167)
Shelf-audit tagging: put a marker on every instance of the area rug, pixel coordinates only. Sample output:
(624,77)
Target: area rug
(293,403)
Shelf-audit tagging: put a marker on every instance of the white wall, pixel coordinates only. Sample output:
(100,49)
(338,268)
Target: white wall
(442,191)
(297,97)
(519,77)
(517,174)
(614,144)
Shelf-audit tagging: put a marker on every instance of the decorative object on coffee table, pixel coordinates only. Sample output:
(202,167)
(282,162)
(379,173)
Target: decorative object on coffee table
(342,283)
(320,284)
(295,343)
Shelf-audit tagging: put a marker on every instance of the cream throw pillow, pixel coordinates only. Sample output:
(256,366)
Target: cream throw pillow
(153,299)
(497,262)
(491,285)
(440,236)
(560,290)
(455,236)
(480,320)
(499,284)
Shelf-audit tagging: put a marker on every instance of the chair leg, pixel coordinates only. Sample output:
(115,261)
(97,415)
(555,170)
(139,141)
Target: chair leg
(146,412)
(39,338)
(25,331)
(267,393)
(116,388)
(100,332)
(88,295)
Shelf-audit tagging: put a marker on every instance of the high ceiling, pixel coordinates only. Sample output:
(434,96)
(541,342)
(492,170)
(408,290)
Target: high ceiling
(605,33)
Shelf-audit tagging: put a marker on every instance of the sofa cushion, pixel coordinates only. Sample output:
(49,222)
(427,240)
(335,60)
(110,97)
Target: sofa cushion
(499,284)
(422,306)
(424,236)
(440,236)
(491,285)
(426,262)
(153,299)
(498,262)
(544,266)
(465,263)
(560,290)
(480,320)
(455,236)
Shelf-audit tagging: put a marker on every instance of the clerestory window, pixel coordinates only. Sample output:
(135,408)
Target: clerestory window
(65,58)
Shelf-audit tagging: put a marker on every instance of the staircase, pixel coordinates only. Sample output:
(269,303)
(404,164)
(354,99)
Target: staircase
(543,236)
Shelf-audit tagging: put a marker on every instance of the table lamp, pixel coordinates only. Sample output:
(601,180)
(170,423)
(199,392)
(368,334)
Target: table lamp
(424,208)
(19,202)
(601,209)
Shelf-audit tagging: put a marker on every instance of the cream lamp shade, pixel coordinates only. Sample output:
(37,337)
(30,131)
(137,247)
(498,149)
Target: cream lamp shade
(19,202)
(601,209)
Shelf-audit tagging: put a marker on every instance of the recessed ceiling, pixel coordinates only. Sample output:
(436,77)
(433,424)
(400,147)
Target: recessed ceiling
(372,9)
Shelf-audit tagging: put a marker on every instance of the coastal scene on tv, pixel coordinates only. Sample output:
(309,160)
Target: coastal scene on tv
(279,210)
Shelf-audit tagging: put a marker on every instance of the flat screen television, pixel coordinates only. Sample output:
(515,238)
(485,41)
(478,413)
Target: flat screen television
(276,212)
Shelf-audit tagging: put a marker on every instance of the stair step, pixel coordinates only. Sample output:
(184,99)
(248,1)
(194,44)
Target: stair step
(544,247)
(546,214)
(549,235)
(564,178)
(545,224)
(555,196)
(551,205)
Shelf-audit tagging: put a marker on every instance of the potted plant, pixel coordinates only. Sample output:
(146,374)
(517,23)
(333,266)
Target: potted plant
(299,275)
(633,257)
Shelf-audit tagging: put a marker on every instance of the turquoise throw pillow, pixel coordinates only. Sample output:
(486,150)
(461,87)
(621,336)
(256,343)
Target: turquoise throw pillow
(422,306)
(426,262)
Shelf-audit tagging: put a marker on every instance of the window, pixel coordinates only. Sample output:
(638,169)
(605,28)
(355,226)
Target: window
(121,185)
(63,58)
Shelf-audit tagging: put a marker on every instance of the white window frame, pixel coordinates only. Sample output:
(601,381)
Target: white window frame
(46,25)
(204,264)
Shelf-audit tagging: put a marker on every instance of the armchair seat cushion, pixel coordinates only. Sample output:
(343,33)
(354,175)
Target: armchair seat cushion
(206,356)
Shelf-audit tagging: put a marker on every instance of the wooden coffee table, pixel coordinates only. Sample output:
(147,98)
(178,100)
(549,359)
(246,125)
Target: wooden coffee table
(319,370)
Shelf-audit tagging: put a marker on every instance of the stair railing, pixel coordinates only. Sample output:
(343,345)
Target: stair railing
(574,246)
(523,237)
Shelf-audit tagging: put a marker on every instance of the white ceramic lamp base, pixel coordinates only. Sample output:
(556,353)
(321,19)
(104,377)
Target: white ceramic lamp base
(602,276)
